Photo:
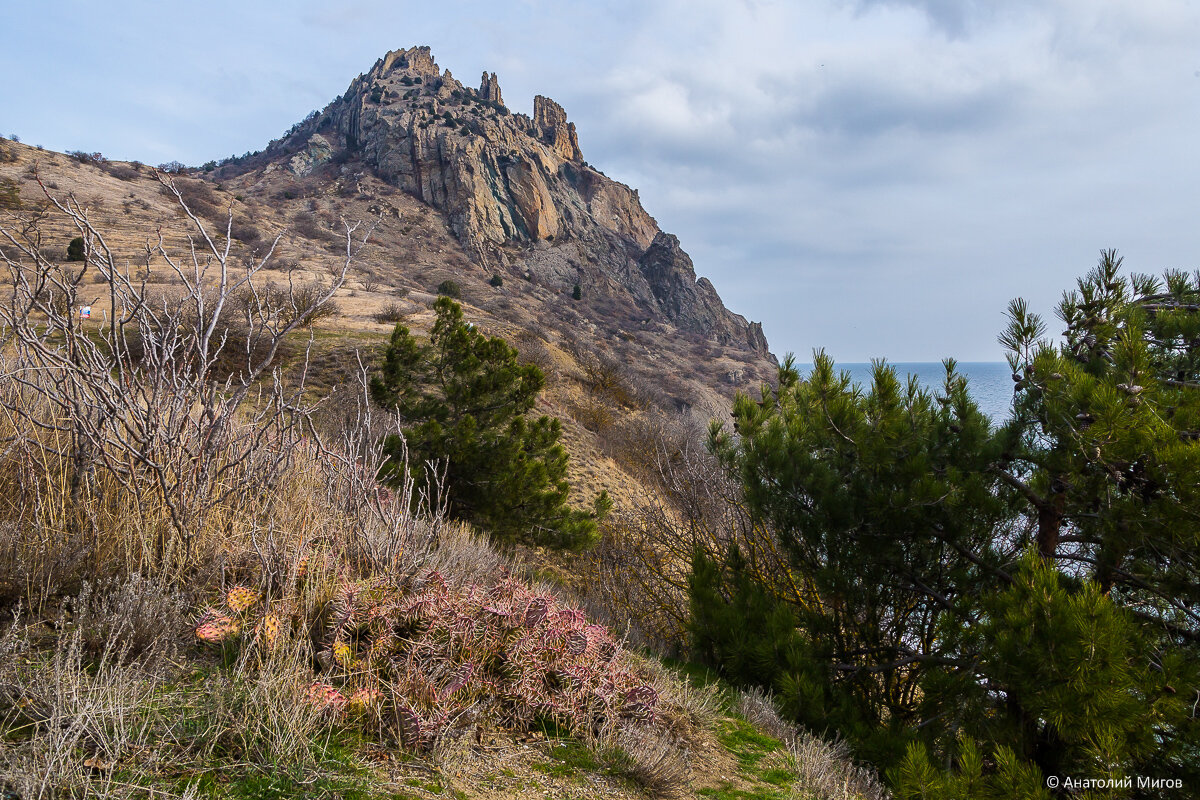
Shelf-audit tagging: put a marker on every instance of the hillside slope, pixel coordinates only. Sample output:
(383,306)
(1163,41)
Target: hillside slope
(460,191)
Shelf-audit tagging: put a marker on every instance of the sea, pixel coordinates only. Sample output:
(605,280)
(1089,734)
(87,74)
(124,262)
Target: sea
(988,382)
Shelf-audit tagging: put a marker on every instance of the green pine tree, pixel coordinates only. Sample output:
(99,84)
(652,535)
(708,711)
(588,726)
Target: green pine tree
(978,609)
(873,494)
(1104,449)
(465,398)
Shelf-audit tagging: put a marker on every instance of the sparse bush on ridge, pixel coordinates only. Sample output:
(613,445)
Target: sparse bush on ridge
(75,251)
(391,313)
(124,172)
(88,158)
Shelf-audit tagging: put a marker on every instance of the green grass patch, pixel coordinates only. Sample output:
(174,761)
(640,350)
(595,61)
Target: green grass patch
(762,762)
(570,758)
(728,792)
(221,784)
(747,744)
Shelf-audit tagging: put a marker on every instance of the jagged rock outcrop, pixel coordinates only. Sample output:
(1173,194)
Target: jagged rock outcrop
(553,128)
(494,173)
(694,304)
(489,89)
(517,191)
(415,60)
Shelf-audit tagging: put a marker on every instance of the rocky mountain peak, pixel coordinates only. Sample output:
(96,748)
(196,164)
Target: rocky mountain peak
(415,60)
(516,192)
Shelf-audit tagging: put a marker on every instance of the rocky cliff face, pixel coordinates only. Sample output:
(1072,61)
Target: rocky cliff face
(694,304)
(516,190)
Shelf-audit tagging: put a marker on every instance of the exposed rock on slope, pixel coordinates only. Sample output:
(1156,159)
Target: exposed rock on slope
(516,192)
(690,303)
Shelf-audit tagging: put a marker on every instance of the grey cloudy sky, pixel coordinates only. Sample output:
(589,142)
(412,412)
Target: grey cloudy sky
(876,177)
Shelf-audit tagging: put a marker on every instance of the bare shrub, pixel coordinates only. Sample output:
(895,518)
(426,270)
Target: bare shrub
(604,376)
(197,195)
(122,172)
(137,617)
(391,313)
(55,706)
(245,232)
(137,423)
(309,225)
(370,282)
(639,570)
(295,301)
(535,351)
(593,413)
(283,265)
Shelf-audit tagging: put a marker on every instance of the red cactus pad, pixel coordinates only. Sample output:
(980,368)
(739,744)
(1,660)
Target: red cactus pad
(240,599)
(216,628)
(408,723)
(460,679)
(642,694)
(606,651)
(324,696)
(577,643)
(537,610)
